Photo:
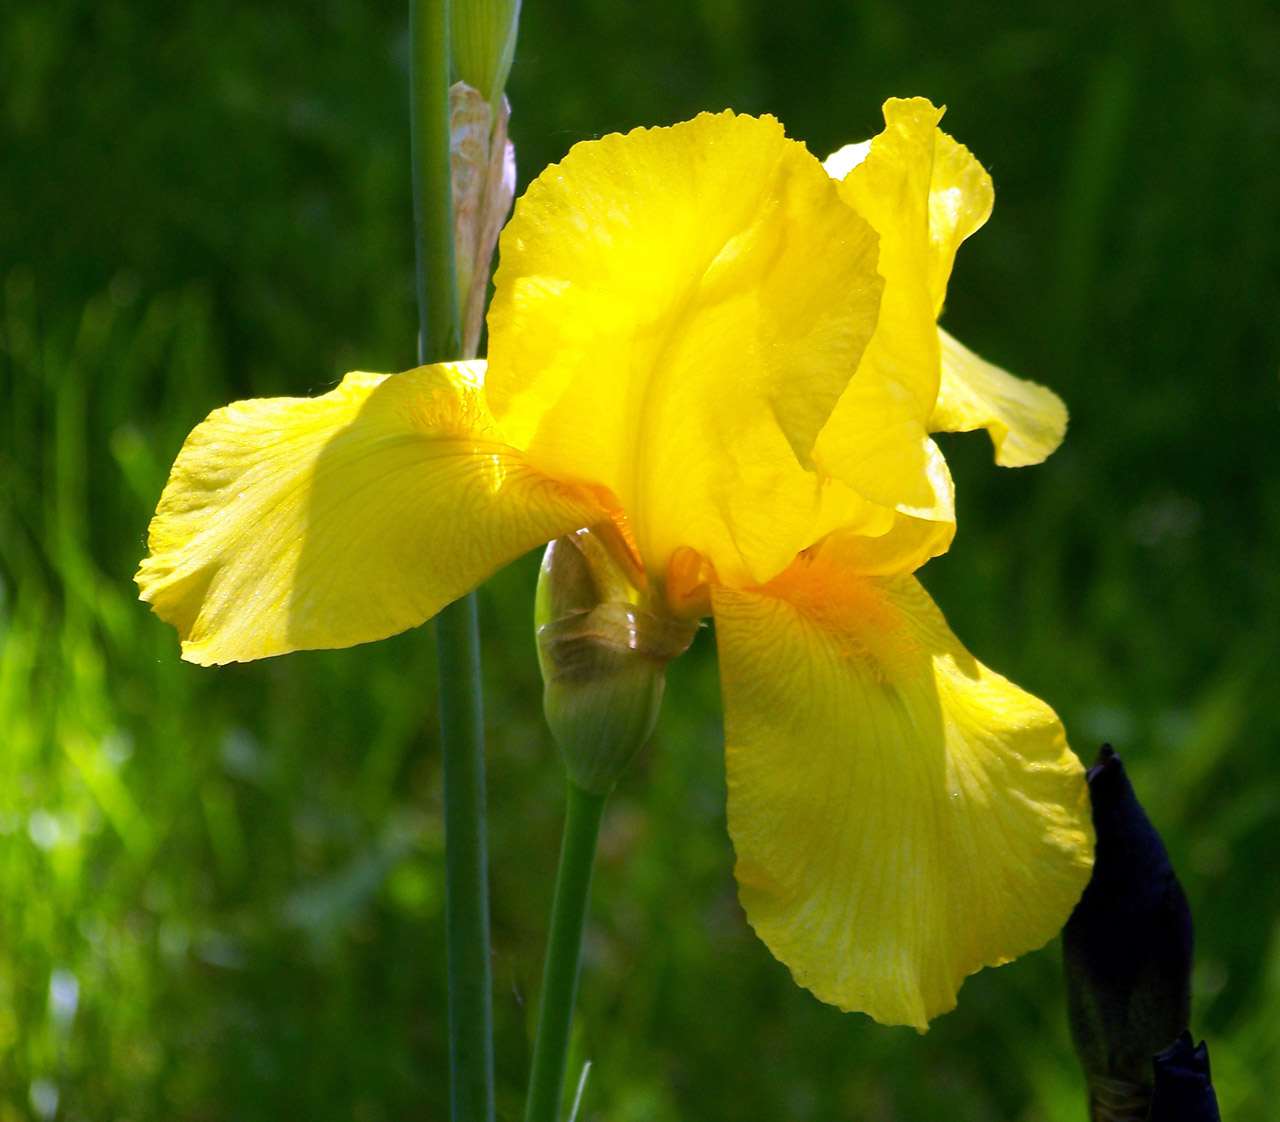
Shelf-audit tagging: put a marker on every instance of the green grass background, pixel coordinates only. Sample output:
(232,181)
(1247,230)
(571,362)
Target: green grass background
(221,890)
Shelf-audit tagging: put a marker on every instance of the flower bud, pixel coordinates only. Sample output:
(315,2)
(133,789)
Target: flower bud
(1126,951)
(1183,1088)
(603,657)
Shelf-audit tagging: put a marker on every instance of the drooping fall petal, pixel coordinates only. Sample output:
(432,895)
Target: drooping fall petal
(1026,421)
(676,312)
(299,523)
(902,815)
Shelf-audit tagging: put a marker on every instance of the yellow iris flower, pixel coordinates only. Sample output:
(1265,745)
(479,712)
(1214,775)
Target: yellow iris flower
(729,355)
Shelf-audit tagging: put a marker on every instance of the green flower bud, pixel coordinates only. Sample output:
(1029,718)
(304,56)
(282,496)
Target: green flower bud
(603,656)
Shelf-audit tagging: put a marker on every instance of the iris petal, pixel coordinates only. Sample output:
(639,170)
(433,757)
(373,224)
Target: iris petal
(924,194)
(876,439)
(298,523)
(960,202)
(902,815)
(891,189)
(1026,421)
(905,544)
(676,312)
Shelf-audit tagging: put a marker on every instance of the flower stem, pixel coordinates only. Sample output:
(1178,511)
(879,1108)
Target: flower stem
(457,634)
(439,330)
(560,977)
(466,865)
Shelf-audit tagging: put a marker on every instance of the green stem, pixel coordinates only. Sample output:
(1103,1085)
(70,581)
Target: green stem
(466,865)
(560,977)
(457,634)
(439,330)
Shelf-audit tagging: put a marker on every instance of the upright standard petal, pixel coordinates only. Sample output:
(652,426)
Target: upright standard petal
(960,202)
(876,439)
(905,544)
(676,312)
(920,182)
(299,523)
(1026,421)
(902,815)
(924,194)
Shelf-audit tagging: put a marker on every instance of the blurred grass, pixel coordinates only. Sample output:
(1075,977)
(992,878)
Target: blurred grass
(220,890)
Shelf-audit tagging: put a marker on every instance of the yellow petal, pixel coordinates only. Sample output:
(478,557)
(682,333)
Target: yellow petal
(676,312)
(877,441)
(890,188)
(298,523)
(902,815)
(924,194)
(1026,421)
(898,545)
(960,202)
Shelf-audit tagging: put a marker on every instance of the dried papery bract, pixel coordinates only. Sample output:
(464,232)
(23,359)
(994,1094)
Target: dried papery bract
(483,165)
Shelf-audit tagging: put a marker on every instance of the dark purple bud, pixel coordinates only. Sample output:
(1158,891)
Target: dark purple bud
(1126,951)
(1183,1089)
